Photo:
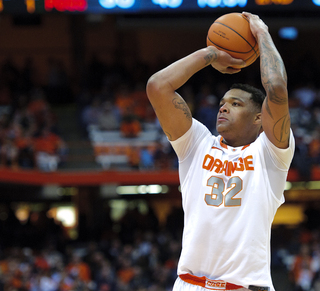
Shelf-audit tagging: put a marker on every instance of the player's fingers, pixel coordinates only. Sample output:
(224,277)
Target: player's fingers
(251,16)
(246,13)
(238,63)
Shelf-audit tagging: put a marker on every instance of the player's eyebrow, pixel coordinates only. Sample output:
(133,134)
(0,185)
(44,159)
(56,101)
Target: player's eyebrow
(233,98)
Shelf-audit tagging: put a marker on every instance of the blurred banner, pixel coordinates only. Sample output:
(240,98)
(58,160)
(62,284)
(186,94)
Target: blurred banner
(155,6)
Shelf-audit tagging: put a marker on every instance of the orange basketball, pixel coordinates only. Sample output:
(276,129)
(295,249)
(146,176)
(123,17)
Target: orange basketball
(231,33)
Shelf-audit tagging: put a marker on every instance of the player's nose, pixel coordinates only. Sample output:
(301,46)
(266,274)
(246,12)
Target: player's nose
(224,108)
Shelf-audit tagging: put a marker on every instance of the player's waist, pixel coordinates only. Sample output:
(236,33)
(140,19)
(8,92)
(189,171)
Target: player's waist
(218,285)
(210,284)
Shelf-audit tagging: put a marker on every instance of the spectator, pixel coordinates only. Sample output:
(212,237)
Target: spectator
(90,114)
(123,100)
(125,274)
(160,157)
(49,150)
(46,282)
(302,271)
(9,153)
(38,107)
(301,160)
(146,158)
(130,125)
(24,143)
(207,112)
(140,102)
(109,117)
(314,146)
(306,94)
(133,154)
(78,269)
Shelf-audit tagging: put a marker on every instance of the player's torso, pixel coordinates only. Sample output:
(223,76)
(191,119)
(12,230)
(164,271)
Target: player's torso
(225,197)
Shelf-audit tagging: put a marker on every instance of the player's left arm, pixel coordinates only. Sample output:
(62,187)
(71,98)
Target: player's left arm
(275,108)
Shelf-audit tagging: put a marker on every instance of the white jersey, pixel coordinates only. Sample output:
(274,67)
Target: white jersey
(229,196)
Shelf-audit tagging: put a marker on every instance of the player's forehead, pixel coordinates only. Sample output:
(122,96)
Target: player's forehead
(236,94)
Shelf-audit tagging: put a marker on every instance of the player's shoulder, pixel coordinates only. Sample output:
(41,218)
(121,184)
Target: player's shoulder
(198,130)
(264,140)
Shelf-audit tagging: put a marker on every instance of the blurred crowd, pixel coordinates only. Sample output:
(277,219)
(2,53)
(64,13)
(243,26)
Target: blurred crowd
(296,253)
(112,97)
(29,136)
(134,253)
(149,263)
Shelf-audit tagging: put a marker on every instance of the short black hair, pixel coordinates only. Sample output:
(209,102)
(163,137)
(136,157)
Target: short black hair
(257,95)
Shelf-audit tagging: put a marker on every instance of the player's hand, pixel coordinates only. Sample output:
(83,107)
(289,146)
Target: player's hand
(256,24)
(226,64)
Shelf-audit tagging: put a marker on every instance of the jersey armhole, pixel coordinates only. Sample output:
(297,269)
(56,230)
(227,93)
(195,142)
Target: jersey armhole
(185,144)
(281,158)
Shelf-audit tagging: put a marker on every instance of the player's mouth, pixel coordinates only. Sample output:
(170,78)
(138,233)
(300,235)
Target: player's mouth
(222,118)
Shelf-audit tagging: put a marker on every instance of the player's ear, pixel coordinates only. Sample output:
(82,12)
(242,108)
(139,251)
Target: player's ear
(257,119)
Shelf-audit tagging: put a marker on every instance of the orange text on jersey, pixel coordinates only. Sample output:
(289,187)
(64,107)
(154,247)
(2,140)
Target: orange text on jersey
(228,167)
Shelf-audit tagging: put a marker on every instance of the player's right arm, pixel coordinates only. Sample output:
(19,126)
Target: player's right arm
(275,108)
(172,111)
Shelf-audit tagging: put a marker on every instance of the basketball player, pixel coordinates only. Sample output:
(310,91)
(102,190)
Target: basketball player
(232,184)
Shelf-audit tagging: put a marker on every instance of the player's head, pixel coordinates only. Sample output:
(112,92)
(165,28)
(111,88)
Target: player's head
(239,116)
(257,95)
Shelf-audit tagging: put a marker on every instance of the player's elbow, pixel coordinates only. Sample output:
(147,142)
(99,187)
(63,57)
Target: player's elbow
(280,83)
(281,87)
(155,86)
(278,88)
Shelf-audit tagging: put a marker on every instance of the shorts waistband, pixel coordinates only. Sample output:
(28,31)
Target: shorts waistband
(208,283)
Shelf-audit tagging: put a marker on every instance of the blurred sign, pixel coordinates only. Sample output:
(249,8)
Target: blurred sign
(268,2)
(65,5)
(153,6)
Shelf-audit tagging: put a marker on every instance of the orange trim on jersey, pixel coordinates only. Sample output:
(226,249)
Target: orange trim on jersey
(206,283)
(245,146)
(226,147)
(216,148)
(222,144)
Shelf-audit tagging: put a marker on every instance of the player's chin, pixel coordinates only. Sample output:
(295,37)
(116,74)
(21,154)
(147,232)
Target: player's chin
(221,128)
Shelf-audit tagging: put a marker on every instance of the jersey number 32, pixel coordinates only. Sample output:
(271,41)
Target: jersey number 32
(221,193)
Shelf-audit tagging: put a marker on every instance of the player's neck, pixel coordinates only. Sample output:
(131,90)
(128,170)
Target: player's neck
(238,143)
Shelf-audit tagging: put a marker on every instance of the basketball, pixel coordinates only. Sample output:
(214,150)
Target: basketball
(231,33)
